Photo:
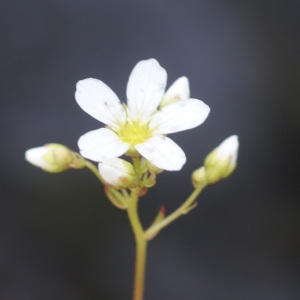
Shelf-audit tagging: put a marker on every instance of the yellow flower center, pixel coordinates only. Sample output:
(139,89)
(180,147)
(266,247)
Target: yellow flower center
(134,133)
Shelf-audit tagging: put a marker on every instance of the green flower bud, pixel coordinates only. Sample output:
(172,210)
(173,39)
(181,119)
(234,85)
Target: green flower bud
(118,173)
(199,177)
(54,158)
(221,162)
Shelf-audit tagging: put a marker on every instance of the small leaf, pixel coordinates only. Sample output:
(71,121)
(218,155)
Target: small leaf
(159,217)
(188,209)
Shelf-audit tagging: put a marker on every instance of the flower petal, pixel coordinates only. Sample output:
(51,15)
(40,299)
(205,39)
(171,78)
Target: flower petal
(228,149)
(101,144)
(179,90)
(163,153)
(145,89)
(179,116)
(36,156)
(99,101)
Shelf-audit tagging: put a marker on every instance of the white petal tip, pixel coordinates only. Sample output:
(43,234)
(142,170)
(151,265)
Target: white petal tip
(229,149)
(35,156)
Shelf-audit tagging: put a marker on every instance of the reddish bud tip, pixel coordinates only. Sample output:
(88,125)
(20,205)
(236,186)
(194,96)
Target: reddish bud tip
(163,210)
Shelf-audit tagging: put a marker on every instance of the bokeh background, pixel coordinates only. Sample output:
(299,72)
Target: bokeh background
(61,239)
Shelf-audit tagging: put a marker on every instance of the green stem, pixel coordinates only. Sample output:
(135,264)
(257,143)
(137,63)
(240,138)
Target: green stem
(141,248)
(94,169)
(181,210)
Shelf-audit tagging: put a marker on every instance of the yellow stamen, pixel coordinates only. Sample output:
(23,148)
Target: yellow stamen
(134,133)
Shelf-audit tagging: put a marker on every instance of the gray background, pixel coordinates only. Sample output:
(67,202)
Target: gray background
(61,239)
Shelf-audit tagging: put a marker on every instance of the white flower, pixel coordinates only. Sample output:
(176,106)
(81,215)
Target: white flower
(138,128)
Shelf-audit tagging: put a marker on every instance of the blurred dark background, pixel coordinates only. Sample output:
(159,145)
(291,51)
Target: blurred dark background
(61,239)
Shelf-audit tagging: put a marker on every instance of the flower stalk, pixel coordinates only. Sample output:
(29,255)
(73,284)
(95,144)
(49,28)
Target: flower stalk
(141,248)
(94,170)
(181,210)
(142,237)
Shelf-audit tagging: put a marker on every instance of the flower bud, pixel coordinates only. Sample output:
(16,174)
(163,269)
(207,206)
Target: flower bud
(179,90)
(221,162)
(199,177)
(54,158)
(118,173)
